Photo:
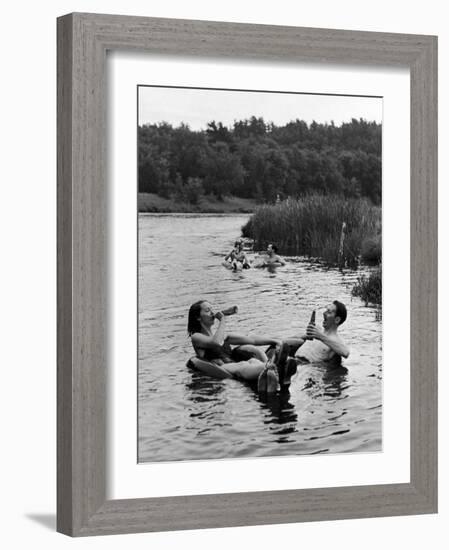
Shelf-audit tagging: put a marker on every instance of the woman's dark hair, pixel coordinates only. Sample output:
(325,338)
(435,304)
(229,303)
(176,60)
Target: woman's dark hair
(274,248)
(340,311)
(193,323)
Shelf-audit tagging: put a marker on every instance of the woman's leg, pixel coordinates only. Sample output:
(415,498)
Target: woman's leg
(248,351)
(293,344)
(267,378)
(248,370)
(285,365)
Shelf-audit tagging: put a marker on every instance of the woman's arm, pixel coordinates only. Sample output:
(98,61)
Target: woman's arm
(216,340)
(220,333)
(231,256)
(205,342)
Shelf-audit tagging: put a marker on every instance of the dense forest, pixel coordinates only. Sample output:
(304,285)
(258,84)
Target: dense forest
(262,161)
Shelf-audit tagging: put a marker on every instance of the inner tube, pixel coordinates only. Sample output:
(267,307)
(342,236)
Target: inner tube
(209,368)
(228,265)
(239,353)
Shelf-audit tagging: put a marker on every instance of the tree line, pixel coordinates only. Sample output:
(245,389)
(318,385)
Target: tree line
(259,160)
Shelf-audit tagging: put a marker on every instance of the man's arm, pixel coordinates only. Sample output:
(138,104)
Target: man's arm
(336,345)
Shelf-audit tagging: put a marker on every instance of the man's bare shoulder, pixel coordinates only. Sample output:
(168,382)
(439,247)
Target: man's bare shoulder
(344,345)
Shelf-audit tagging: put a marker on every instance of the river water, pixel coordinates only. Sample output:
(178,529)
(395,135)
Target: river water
(184,415)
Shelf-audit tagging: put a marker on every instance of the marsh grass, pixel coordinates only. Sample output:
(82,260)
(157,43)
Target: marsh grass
(371,252)
(311,226)
(369,288)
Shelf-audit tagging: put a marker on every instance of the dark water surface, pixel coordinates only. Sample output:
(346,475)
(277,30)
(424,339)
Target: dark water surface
(184,415)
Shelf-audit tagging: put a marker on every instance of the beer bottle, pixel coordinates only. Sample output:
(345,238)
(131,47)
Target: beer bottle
(230,310)
(312,322)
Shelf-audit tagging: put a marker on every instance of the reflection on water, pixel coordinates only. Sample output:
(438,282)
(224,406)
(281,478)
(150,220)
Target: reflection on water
(184,415)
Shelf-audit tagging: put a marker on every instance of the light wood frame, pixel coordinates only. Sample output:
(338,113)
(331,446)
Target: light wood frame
(83,40)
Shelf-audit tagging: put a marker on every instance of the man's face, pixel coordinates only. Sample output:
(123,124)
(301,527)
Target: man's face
(270,249)
(329,316)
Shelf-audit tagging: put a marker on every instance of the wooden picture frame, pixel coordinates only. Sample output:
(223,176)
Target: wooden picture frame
(83,40)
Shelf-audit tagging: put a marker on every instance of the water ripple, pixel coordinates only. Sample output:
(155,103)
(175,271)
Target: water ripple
(186,416)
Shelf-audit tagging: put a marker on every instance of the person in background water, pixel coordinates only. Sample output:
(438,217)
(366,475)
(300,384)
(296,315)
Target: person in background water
(237,256)
(215,346)
(322,346)
(270,259)
(241,256)
(273,259)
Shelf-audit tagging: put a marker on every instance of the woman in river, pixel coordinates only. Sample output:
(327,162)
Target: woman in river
(215,346)
(236,259)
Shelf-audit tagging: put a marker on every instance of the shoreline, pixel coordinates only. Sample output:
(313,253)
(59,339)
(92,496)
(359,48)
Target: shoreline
(151,203)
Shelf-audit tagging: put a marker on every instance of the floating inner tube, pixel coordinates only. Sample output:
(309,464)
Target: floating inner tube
(229,265)
(239,353)
(208,368)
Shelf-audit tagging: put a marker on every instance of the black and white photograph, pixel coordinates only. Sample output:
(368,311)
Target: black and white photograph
(222,243)
(259,274)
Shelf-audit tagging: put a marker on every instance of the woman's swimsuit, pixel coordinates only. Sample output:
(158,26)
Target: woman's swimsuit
(240,257)
(224,353)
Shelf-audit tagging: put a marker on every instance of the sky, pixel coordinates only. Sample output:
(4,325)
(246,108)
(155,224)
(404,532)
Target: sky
(197,107)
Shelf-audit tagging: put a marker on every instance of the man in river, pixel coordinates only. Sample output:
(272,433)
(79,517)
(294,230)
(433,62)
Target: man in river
(322,346)
(273,258)
(270,259)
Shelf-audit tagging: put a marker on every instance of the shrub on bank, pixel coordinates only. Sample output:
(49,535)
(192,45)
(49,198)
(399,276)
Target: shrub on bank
(312,226)
(372,250)
(369,288)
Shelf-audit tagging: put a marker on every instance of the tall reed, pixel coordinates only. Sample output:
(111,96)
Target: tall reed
(369,288)
(312,225)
